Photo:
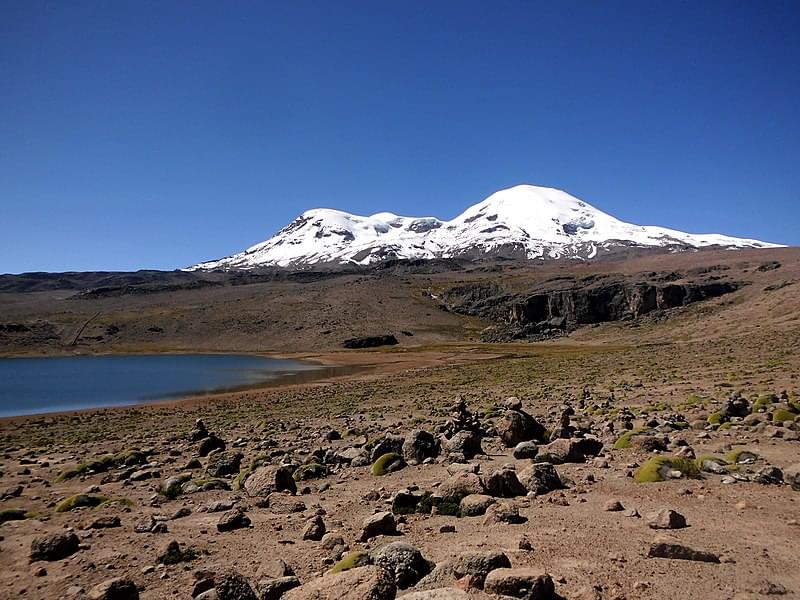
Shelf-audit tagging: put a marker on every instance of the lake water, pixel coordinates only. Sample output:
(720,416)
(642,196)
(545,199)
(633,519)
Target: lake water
(37,385)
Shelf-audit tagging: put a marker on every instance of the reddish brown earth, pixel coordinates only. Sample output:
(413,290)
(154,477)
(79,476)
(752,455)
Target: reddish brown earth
(746,342)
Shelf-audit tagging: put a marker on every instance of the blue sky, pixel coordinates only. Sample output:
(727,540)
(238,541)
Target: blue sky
(158,134)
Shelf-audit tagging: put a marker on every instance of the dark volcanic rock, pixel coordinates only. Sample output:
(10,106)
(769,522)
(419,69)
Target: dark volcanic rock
(680,552)
(54,547)
(559,306)
(404,561)
(221,464)
(531,584)
(517,426)
(115,589)
(419,445)
(540,478)
(233,586)
(208,444)
(234,519)
(271,478)
(370,341)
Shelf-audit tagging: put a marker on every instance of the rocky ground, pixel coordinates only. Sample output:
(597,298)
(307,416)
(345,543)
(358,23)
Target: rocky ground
(655,456)
(584,494)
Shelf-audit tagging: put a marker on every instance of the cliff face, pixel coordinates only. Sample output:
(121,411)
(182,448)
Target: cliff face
(562,306)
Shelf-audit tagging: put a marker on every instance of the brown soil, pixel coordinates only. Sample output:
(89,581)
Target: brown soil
(747,341)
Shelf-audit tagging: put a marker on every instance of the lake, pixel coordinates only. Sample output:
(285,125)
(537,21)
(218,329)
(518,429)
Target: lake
(37,385)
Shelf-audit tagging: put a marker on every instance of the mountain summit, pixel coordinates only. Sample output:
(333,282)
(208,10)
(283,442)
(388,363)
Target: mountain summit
(524,221)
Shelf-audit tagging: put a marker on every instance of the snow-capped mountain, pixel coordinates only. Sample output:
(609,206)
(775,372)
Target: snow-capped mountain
(522,221)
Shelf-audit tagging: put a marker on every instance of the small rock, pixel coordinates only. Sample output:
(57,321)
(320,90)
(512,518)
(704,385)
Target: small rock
(231,520)
(475,505)
(274,589)
(315,529)
(673,550)
(525,450)
(381,523)
(233,586)
(665,519)
(368,583)
(55,546)
(528,583)
(115,589)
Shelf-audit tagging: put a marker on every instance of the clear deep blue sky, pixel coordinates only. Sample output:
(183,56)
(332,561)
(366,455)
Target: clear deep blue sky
(158,134)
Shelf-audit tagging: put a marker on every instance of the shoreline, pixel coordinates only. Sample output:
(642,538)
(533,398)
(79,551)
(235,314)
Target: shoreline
(354,366)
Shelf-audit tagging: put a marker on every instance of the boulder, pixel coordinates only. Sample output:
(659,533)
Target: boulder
(54,546)
(419,445)
(274,589)
(665,518)
(517,426)
(314,529)
(231,520)
(572,450)
(222,464)
(361,583)
(528,583)
(769,476)
(270,478)
(676,551)
(475,564)
(381,523)
(350,454)
(118,588)
(525,450)
(405,502)
(475,505)
(172,487)
(459,485)
(504,483)
(234,586)
(389,444)
(540,478)
(791,475)
(208,444)
(464,445)
(503,512)
(404,561)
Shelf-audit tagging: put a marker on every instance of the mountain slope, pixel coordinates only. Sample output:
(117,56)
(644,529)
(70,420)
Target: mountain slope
(523,221)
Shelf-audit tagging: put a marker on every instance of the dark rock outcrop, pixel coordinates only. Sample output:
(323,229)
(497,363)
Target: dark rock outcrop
(563,304)
(370,341)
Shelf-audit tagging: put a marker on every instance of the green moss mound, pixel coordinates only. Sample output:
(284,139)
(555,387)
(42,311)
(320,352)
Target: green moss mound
(310,471)
(13,514)
(762,403)
(717,418)
(238,482)
(780,415)
(740,456)
(358,558)
(101,464)
(657,468)
(626,439)
(81,501)
(382,463)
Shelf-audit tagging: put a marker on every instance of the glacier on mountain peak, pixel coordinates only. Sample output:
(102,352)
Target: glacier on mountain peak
(522,221)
